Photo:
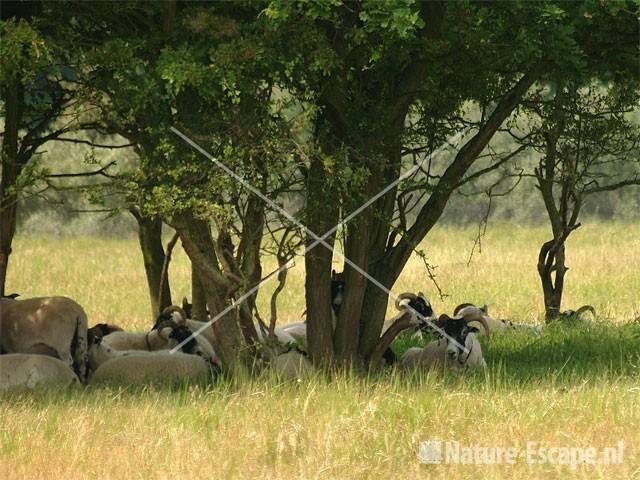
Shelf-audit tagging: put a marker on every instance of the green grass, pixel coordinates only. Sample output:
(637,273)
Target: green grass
(574,386)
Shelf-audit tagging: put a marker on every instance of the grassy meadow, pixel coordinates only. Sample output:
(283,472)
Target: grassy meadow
(575,386)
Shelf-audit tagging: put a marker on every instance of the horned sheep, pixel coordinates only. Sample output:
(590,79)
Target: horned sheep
(458,349)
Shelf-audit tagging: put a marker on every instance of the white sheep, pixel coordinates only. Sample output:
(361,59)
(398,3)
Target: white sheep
(20,370)
(292,365)
(162,366)
(159,339)
(494,325)
(297,330)
(447,352)
(166,337)
(205,329)
(55,326)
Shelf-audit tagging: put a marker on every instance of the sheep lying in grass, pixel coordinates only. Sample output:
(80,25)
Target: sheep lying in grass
(144,367)
(578,314)
(297,330)
(55,326)
(109,364)
(447,352)
(493,324)
(157,339)
(19,370)
(181,315)
(101,350)
(169,331)
(292,365)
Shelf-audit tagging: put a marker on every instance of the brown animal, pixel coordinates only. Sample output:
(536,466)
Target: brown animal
(53,326)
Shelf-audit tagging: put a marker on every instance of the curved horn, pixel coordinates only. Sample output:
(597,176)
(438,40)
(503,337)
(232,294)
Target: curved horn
(461,306)
(404,296)
(169,323)
(442,320)
(585,308)
(475,317)
(174,308)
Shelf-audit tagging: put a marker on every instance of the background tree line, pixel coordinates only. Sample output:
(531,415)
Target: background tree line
(319,106)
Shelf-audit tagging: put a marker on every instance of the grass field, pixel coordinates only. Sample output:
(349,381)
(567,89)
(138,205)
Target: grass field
(569,387)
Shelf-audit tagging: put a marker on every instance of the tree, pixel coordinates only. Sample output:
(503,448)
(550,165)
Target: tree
(199,68)
(35,93)
(588,144)
(396,77)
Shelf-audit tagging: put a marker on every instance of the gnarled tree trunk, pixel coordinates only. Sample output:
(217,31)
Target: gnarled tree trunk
(150,239)
(198,244)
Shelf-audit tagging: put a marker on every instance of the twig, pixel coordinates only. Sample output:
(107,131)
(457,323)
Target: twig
(431,273)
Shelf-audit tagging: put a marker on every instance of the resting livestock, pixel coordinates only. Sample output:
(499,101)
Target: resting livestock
(19,370)
(493,324)
(458,349)
(292,365)
(143,367)
(55,326)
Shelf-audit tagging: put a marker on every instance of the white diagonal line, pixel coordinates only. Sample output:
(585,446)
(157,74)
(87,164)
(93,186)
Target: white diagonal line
(317,239)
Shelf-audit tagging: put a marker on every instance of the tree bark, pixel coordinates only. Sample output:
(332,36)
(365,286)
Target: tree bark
(322,215)
(552,260)
(198,298)
(396,257)
(150,240)
(198,244)
(11,167)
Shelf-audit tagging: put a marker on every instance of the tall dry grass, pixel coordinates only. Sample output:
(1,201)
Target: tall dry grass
(569,387)
(106,275)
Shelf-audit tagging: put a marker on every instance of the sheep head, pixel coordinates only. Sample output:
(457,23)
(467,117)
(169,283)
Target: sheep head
(175,313)
(478,317)
(459,330)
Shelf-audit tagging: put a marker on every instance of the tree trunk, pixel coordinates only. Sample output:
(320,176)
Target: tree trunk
(150,239)
(551,260)
(322,215)
(375,303)
(347,331)
(11,168)
(396,256)
(198,298)
(198,244)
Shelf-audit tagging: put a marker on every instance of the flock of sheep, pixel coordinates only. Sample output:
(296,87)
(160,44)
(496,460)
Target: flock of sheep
(48,341)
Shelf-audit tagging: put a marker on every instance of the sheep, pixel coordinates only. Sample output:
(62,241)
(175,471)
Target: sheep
(297,330)
(144,367)
(100,353)
(577,314)
(103,329)
(494,325)
(206,330)
(292,365)
(55,326)
(414,311)
(20,370)
(447,352)
(337,290)
(165,335)
(157,339)
(177,317)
